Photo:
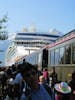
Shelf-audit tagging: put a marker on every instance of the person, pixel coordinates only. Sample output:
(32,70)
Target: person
(54,77)
(14,66)
(41,79)
(3,79)
(62,90)
(72,85)
(24,61)
(13,90)
(18,77)
(34,90)
(46,75)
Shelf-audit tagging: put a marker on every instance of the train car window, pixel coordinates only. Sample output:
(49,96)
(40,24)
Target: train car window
(61,55)
(68,54)
(73,53)
(57,56)
(52,57)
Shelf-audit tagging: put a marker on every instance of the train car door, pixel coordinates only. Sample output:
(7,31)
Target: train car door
(45,58)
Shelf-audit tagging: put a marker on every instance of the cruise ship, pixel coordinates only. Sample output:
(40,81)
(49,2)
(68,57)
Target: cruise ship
(35,39)
(13,53)
(3,49)
(24,43)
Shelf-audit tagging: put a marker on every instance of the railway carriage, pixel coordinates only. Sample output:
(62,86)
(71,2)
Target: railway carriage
(61,55)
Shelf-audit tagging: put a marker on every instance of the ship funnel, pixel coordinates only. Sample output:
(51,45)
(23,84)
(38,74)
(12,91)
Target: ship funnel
(24,29)
(32,28)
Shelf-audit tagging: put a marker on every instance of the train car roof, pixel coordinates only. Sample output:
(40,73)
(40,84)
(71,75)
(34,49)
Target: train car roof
(67,34)
(70,35)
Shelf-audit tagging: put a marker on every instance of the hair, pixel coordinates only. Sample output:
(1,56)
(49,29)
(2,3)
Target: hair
(27,67)
(19,68)
(9,72)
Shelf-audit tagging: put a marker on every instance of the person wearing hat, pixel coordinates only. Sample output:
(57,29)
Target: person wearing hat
(72,85)
(62,90)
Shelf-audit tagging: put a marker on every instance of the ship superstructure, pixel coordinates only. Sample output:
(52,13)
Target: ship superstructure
(35,39)
(24,43)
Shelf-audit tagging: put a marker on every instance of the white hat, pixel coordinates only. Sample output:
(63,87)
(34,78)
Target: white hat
(62,88)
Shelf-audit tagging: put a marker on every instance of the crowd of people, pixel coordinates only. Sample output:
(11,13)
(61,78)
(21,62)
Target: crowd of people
(25,82)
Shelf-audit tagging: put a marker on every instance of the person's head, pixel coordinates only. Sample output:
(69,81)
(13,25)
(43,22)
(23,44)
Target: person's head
(53,69)
(13,67)
(9,72)
(24,61)
(30,76)
(41,79)
(19,68)
(45,69)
